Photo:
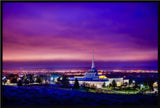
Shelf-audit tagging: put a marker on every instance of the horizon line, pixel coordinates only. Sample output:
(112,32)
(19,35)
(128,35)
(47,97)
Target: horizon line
(78,60)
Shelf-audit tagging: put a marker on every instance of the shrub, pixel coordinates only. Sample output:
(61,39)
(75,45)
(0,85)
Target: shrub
(76,84)
(104,84)
(19,83)
(114,83)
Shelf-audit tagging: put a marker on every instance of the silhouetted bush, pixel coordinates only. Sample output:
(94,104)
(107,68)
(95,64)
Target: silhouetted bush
(114,83)
(65,81)
(76,84)
(20,83)
(39,79)
(104,84)
(14,80)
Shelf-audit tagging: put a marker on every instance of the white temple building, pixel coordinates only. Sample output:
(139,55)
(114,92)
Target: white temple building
(92,78)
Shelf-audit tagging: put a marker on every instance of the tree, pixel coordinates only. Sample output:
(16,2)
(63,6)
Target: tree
(130,81)
(39,79)
(65,81)
(114,83)
(125,84)
(149,81)
(13,78)
(110,85)
(58,79)
(151,86)
(24,78)
(83,85)
(11,75)
(31,77)
(19,83)
(26,81)
(93,86)
(104,84)
(4,80)
(76,84)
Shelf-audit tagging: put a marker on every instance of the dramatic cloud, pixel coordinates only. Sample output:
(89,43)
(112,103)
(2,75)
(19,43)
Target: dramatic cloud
(69,31)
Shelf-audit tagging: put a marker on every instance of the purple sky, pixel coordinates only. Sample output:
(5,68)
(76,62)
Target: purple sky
(69,31)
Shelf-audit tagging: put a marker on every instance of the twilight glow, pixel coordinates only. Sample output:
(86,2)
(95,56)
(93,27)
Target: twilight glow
(69,31)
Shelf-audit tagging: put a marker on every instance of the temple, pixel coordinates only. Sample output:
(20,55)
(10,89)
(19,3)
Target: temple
(93,73)
(93,79)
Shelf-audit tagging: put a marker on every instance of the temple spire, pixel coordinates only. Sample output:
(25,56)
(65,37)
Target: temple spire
(92,59)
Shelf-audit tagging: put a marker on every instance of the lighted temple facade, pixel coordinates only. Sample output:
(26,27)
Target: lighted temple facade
(92,78)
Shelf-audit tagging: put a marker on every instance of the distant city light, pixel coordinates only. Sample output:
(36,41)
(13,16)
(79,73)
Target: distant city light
(4,78)
(35,79)
(133,81)
(100,73)
(51,78)
(19,78)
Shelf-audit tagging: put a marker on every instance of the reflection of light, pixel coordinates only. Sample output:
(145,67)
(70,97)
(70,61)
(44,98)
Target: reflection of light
(141,85)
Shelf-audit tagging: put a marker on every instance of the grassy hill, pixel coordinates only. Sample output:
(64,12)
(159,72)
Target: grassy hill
(13,95)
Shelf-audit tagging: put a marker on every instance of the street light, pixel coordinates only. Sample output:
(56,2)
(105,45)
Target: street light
(19,79)
(141,86)
(133,86)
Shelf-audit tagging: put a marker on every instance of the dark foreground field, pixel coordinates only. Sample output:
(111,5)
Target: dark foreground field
(42,96)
